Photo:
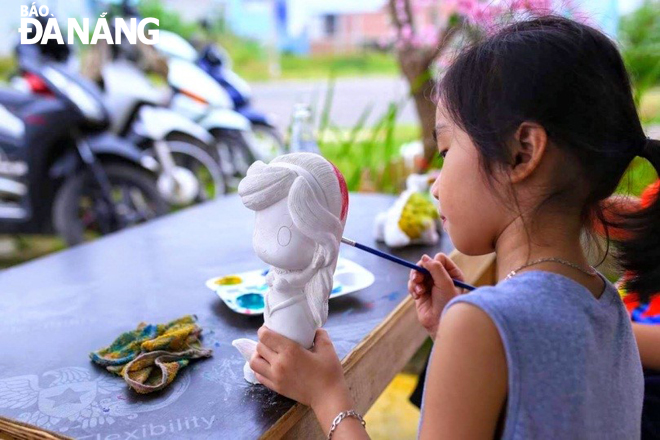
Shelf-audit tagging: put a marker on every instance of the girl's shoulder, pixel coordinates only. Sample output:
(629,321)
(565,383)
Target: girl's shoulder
(534,294)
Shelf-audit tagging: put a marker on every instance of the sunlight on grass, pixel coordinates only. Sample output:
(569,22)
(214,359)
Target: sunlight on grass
(371,162)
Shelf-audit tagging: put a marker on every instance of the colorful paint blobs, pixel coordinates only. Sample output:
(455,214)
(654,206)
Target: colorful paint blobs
(229,280)
(251,301)
(243,292)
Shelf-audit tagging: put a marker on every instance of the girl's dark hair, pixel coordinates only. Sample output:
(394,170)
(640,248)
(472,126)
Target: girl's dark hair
(569,78)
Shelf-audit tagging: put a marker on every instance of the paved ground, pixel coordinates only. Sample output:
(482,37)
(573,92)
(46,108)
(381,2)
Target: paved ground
(351,97)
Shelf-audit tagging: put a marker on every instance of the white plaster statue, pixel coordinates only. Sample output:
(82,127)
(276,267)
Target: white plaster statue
(301,202)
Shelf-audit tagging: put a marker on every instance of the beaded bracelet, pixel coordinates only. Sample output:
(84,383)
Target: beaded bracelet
(341,416)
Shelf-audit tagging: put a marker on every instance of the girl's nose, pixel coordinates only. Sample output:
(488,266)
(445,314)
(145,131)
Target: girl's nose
(434,187)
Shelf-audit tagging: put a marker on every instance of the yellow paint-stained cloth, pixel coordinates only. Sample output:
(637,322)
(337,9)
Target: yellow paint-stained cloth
(150,357)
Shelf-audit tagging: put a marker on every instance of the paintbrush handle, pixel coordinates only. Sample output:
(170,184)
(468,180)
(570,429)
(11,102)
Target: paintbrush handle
(400,261)
(392,258)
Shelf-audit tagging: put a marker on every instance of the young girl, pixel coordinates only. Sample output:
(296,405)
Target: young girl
(537,125)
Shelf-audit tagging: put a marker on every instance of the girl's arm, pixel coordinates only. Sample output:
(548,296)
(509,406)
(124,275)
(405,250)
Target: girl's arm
(467,379)
(648,342)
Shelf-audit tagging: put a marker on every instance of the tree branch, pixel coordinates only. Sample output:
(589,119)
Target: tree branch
(395,17)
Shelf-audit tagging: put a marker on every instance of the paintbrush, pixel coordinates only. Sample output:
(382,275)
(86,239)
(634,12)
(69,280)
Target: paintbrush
(398,260)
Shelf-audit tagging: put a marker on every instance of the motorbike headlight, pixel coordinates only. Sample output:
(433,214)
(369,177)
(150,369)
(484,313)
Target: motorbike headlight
(90,107)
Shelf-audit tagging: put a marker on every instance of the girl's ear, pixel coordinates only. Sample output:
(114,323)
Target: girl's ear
(529,143)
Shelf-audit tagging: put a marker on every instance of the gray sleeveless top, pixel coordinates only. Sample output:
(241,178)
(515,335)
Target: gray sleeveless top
(573,365)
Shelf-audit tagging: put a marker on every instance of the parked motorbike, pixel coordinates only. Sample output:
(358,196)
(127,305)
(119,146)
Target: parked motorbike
(183,148)
(201,98)
(61,171)
(188,173)
(216,62)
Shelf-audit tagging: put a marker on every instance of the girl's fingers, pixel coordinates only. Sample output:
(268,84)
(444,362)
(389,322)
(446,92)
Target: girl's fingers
(441,278)
(265,352)
(273,340)
(416,276)
(452,269)
(419,277)
(321,340)
(416,289)
(265,381)
(259,365)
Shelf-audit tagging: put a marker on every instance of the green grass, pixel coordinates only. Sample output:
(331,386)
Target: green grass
(365,162)
(251,62)
(322,66)
(29,247)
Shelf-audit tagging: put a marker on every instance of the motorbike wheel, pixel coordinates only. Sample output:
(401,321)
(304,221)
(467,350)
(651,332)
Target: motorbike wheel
(80,212)
(268,140)
(202,159)
(204,168)
(234,153)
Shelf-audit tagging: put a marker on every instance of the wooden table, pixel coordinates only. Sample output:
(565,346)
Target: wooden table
(55,310)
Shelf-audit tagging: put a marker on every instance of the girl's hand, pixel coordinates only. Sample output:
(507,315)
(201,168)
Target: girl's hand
(431,295)
(310,377)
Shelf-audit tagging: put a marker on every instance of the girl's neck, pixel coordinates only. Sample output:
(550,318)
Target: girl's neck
(550,237)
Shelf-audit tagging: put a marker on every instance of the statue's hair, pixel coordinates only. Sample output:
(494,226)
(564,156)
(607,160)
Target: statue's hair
(321,220)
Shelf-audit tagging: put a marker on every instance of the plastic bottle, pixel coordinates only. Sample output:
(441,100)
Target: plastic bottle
(302,130)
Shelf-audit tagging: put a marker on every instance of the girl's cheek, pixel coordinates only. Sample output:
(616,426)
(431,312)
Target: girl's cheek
(446,186)
(459,195)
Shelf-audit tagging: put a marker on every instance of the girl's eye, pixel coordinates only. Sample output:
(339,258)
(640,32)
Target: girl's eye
(443,153)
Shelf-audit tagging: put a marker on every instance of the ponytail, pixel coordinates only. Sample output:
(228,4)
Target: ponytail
(639,248)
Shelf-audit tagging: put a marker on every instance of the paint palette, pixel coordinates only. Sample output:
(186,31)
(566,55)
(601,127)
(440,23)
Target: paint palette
(244,292)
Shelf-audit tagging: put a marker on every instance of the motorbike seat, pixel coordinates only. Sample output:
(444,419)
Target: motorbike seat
(15,100)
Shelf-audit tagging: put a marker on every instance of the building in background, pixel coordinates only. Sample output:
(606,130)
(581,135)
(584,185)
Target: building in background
(333,30)
(308,26)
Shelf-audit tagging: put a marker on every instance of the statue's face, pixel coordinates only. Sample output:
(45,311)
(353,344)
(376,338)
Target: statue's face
(278,242)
